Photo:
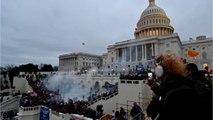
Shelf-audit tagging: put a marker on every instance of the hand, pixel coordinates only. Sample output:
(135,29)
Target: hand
(152,83)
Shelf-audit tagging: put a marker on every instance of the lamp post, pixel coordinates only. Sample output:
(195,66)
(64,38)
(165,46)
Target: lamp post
(112,71)
(123,70)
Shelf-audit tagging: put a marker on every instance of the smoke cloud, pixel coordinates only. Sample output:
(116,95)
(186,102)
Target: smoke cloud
(68,86)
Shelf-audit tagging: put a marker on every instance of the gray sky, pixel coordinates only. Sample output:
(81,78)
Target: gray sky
(38,31)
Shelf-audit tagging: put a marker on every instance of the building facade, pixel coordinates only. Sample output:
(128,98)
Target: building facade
(204,46)
(153,35)
(79,62)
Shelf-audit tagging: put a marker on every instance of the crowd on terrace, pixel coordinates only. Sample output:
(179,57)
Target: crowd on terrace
(53,100)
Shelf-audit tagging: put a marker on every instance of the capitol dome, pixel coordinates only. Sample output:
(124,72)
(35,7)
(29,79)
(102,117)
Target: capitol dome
(153,22)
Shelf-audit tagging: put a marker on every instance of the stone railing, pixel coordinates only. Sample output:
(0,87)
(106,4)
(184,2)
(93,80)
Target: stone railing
(24,109)
(10,104)
(103,98)
(27,111)
(10,91)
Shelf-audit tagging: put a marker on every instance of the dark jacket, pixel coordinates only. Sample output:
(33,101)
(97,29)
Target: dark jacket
(181,102)
(153,108)
(136,109)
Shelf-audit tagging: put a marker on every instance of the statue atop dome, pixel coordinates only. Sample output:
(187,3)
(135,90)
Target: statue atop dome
(151,2)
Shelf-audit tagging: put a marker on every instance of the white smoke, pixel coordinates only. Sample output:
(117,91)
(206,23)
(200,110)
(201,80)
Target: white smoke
(68,86)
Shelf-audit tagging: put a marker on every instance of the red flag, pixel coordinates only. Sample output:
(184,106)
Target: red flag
(192,53)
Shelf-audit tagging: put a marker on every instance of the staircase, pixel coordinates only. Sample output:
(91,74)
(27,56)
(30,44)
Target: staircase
(103,98)
(10,104)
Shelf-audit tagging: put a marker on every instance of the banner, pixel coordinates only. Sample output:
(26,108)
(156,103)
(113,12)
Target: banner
(139,68)
(44,113)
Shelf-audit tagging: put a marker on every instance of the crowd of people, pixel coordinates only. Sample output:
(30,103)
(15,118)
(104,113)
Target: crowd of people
(180,92)
(107,90)
(134,76)
(53,100)
(9,115)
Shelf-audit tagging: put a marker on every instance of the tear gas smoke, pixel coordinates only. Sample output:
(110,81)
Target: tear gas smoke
(68,86)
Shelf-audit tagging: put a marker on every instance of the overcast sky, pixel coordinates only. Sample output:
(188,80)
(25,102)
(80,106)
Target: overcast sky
(38,31)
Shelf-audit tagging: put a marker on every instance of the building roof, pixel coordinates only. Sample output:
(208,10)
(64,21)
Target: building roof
(78,54)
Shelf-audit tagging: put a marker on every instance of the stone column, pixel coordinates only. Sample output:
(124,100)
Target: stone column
(162,31)
(130,54)
(145,52)
(116,54)
(156,49)
(123,54)
(136,53)
(152,49)
(142,52)
(141,33)
(148,33)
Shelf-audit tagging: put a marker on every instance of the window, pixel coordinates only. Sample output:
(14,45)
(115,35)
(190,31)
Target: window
(204,55)
(150,33)
(123,81)
(129,82)
(135,82)
(167,45)
(153,32)
(157,32)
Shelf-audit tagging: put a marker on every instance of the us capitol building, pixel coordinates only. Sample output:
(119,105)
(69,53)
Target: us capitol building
(153,35)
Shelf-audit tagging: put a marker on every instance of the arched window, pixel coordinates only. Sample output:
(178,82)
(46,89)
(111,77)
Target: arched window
(204,55)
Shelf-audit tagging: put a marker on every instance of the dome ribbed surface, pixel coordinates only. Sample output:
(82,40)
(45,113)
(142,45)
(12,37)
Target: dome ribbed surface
(153,22)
